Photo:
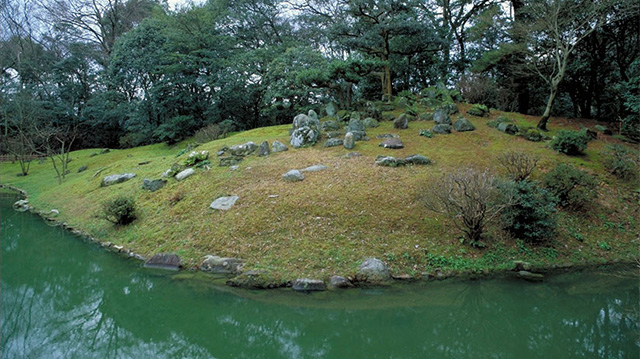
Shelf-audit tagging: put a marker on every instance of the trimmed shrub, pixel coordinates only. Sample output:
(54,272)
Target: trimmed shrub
(573,188)
(533,216)
(620,162)
(570,143)
(120,211)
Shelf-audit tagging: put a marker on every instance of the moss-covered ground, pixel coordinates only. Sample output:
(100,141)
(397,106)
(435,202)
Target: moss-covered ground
(334,219)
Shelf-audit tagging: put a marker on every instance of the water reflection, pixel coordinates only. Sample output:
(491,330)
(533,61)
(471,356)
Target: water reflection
(62,298)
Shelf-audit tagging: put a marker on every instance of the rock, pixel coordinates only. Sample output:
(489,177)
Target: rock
(359,136)
(373,271)
(314,168)
(278,146)
(308,285)
(54,212)
(243,150)
(508,128)
(263,149)
(224,203)
(441,117)
(82,169)
(166,173)
(153,185)
(184,174)
(521,266)
(229,161)
(333,142)
(168,261)
(234,167)
(334,134)
(442,129)
(402,122)
(349,142)
(21,205)
(337,281)
(426,116)
(355,115)
(113,179)
(293,176)
(532,277)
(389,161)
(417,160)
(450,108)
(301,120)
(303,136)
(478,110)
(331,109)
(463,125)
(256,279)
(312,115)
(330,126)
(388,116)
(352,155)
(370,122)
(393,143)
(221,265)
(355,124)
(387,135)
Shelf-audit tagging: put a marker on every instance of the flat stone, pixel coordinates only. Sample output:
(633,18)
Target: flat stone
(308,285)
(184,174)
(293,176)
(229,161)
(352,155)
(168,261)
(333,142)
(389,161)
(234,167)
(224,203)
(531,277)
(221,265)
(417,160)
(114,179)
(442,129)
(153,185)
(82,169)
(314,168)
(337,281)
(387,135)
(243,150)
(393,143)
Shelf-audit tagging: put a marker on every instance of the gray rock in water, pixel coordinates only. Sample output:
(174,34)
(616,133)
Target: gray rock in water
(417,160)
(308,285)
(243,150)
(532,277)
(221,265)
(340,282)
(312,115)
(113,179)
(389,161)
(333,142)
(314,168)
(278,146)
(184,174)
(330,126)
(168,261)
(82,169)
(373,271)
(263,149)
(224,203)
(21,205)
(303,136)
(441,117)
(508,128)
(442,129)
(293,176)
(153,185)
(463,125)
(371,122)
(355,124)
(402,122)
(349,141)
(393,143)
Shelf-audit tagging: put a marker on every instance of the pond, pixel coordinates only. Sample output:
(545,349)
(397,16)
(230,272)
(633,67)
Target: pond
(64,297)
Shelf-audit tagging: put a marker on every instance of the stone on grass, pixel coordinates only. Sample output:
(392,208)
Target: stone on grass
(113,179)
(352,155)
(337,281)
(508,128)
(186,173)
(153,185)
(463,125)
(303,136)
(402,122)
(293,176)
(263,149)
(334,134)
(243,150)
(450,108)
(349,142)
(330,126)
(387,135)
(333,142)
(229,161)
(393,143)
(373,271)
(82,169)
(278,146)
(441,117)
(389,161)
(388,116)
(314,168)
(355,124)
(331,109)
(442,129)
(360,136)
(168,261)
(312,115)
(418,160)
(224,203)
(221,265)
(370,122)
(308,285)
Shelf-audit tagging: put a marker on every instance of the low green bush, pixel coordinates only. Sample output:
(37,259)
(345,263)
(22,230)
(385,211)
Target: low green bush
(573,188)
(426,133)
(620,162)
(533,216)
(569,142)
(196,158)
(534,135)
(478,110)
(120,211)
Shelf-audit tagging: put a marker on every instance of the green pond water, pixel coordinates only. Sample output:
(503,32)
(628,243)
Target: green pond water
(63,297)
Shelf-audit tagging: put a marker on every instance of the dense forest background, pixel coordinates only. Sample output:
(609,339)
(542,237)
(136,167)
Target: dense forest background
(112,73)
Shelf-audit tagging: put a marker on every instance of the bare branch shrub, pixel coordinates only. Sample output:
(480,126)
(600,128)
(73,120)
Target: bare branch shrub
(469,196)
(519,165)
(208,133)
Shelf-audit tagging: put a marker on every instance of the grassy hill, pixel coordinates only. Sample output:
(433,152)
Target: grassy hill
(334,219)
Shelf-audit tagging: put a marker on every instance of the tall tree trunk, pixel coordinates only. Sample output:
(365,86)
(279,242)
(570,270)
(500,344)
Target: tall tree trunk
(542,125)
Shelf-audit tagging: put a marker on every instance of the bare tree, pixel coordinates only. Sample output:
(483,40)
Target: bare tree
(519,165)
(57,143)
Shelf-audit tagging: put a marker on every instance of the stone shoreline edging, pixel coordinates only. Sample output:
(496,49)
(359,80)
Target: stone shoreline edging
(437,275)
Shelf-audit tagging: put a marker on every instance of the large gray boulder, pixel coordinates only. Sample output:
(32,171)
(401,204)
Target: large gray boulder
(184,174)
(243,150)
(224,203)
(229,161)
(333,142)
(508,128)
(221,265)
(371,122)
(442,129)
(263,149)
(303,136)
(349,141)
(337,281)
(330,125)
(114,179)
(312,115)
(355,124)
(168,261)
(278,146)
(153,185)
(393,143)
(293,176)
(463,125)
(441,117)
(373,271)
(402,122)
(308,285)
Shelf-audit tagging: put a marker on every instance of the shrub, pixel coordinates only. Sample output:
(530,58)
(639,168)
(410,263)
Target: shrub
(208,133)
(469,197)
(519,165)
(570,142)
(534,135)
(532,217)
(426,133)
(495,123)
(478,110)
(121,210)
(620,162)
(573,188)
